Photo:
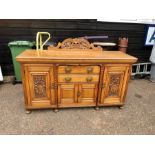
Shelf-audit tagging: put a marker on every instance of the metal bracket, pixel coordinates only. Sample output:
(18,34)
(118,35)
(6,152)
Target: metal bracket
(52,86)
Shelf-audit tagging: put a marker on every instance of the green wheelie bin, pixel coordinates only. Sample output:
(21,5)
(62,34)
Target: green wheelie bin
(16,48)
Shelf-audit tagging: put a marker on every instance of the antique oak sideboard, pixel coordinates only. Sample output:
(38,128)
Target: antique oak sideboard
(74,74)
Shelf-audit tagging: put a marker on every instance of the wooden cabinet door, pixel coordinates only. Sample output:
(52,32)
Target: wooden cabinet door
(87,94)
(114,85)
(67,94)
(39,79)
(77,95)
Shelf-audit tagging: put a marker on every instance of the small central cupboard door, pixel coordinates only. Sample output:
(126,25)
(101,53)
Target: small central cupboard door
(67,94)
(39,80)
(77,95)
(87,94)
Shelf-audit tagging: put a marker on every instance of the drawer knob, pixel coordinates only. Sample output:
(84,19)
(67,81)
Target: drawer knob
(89,69)
(89,79)
(68,79)
(68,69)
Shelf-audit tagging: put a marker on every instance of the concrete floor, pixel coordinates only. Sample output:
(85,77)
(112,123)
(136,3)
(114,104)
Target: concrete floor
(137,117)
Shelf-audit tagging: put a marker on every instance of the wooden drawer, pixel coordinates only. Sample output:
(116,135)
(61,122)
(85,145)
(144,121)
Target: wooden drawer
(69,78)
(79,69)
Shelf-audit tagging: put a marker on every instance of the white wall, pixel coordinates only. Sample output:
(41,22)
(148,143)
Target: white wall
(1,77)
(142,21)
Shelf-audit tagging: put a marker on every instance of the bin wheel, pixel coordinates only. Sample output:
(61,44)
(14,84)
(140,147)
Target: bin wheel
(14,81)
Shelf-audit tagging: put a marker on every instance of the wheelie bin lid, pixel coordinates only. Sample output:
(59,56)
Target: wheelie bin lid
(21,43)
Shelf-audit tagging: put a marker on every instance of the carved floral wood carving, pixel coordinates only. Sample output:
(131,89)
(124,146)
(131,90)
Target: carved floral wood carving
(114,84)
(39,86)
(75,43)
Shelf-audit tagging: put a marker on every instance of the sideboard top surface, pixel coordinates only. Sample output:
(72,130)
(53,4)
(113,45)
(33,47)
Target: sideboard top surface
(57,55)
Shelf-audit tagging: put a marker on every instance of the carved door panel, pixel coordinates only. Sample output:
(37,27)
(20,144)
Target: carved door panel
(67,94)
(39,82)
(87,93)
(114,85)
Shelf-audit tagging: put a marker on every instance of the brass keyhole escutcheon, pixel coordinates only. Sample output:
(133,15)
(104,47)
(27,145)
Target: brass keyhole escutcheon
(68,79)
(89,79)
(89,69)
(68,69)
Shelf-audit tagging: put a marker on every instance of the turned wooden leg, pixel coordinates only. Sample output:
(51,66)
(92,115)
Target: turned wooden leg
(121,107)
(56,110)
(97,108)
(28,111)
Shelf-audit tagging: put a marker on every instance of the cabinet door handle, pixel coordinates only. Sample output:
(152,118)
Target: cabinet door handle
(89,69)
(68,79)
(89,79)
(78,94)
(68,69)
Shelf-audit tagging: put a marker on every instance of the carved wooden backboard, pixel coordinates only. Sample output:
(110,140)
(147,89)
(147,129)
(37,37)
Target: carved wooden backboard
(75,43)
